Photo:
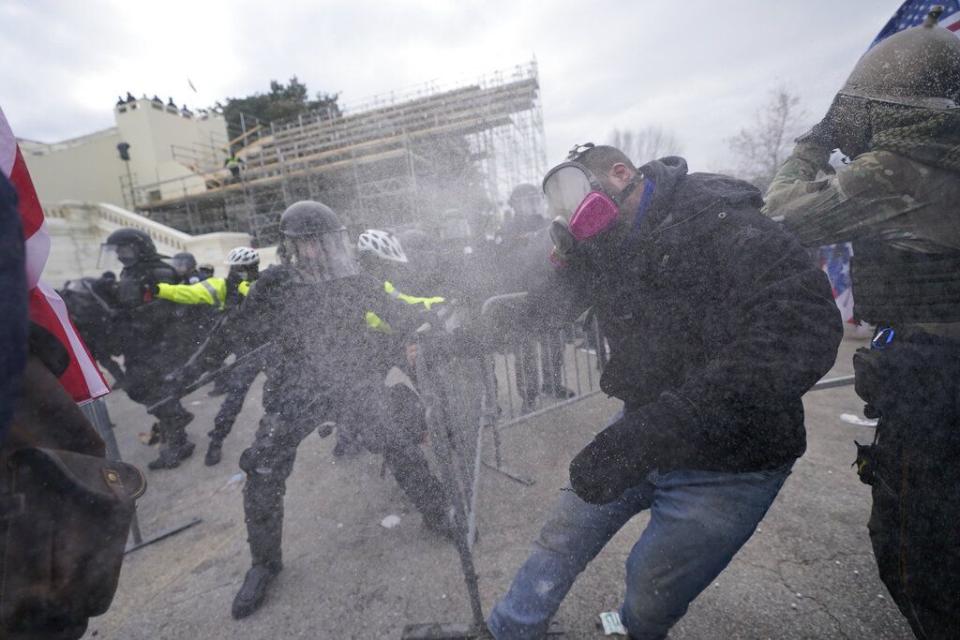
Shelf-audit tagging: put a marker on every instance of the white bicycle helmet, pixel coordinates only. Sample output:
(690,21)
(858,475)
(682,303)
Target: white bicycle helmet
(382,244)
(242,256)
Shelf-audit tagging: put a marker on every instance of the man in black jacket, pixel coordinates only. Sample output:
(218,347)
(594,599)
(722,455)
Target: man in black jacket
(717,323)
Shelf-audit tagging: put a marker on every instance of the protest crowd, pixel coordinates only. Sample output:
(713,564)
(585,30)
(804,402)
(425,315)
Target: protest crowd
(697,294)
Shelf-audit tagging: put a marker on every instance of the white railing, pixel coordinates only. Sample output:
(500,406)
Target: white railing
(78,228)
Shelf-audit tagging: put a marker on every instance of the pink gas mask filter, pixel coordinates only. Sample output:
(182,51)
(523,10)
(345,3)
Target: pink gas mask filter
(596,213)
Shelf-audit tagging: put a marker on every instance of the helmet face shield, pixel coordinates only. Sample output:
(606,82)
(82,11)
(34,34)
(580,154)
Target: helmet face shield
(114,257)
(328,256)
(574,195)
(338,255)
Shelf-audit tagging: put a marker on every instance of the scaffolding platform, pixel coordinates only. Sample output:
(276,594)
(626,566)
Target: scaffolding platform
(394,160)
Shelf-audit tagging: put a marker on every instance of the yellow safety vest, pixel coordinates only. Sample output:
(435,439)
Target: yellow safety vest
(212,291)
(376,323)
(393,292)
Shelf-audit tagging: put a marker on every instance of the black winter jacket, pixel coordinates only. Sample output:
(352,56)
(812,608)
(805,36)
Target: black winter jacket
(718,322)
(322,343)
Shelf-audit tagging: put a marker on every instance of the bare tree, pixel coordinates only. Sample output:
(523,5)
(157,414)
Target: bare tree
(644,145)
(760,149)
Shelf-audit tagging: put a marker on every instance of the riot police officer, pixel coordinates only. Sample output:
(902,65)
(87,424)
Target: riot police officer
(92,305)
(185,264)
(224,294)
(149,340)
(334,334)
(898,118)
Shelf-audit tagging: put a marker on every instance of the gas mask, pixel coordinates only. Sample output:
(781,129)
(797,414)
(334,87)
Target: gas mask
(581,206)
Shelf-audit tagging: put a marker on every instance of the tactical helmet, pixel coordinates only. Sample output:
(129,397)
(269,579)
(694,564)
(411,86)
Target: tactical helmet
(242,256)
(316,242)
(526,199)
(132,237)
(128,246)
(308,218)
(917,67)
(381,244)
(184,262)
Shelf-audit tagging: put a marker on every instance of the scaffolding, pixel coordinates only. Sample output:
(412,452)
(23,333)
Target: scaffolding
(393,160)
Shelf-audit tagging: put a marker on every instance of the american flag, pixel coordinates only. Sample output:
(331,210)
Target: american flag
(835,259)
(912,13)
(82,379)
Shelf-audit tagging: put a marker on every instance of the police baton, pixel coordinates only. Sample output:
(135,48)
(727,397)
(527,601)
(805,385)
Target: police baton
(208,377)
(832,383)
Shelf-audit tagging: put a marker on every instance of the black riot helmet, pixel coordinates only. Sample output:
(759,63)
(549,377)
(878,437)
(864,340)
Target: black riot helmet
(128,246)
(527,200)
(316,242)
(184,263)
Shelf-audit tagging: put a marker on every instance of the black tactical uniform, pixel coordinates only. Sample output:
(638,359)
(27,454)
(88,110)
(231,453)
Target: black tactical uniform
(898,117)
(150,339)
(92,304)
(334,334)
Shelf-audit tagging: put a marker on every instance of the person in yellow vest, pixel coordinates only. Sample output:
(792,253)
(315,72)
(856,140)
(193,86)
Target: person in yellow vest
(244,265)
(234,163)
(225,294)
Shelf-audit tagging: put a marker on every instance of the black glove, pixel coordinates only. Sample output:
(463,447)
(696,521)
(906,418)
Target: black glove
(233,280)
(660,435)
(612,463)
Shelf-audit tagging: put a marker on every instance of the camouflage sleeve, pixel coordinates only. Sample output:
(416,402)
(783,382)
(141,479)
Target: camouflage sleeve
(852,204)
(797,177)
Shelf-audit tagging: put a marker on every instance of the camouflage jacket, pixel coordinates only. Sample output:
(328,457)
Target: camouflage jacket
(881,196)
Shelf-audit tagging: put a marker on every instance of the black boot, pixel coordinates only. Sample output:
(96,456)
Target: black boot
(214,453)
(171,455)
(410,469)
(175,448)
(254,589)
(263,513)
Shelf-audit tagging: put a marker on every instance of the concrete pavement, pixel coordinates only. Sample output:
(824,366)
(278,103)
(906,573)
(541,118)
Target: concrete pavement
(807,573)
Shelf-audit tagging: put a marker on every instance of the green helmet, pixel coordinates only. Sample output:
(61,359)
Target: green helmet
(917,67)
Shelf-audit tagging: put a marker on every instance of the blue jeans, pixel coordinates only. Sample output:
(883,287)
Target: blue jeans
(698,521)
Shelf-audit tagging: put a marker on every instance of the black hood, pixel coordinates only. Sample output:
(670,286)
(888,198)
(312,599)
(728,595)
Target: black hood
(679,197)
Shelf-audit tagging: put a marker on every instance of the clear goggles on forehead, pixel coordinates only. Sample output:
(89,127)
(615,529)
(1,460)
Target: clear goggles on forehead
(576,196)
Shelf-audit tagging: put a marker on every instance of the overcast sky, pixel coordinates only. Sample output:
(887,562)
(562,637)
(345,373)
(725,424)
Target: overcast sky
(698,68)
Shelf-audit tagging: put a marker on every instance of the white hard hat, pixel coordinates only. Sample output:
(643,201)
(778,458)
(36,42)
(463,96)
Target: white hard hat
(382,244)
(242,256)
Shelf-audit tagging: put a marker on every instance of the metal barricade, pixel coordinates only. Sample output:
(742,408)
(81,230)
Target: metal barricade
(470,385)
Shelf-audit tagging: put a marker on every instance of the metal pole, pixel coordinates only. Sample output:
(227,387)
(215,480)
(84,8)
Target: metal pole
(96,413)
(832,383)
(438,415)
(133,197)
